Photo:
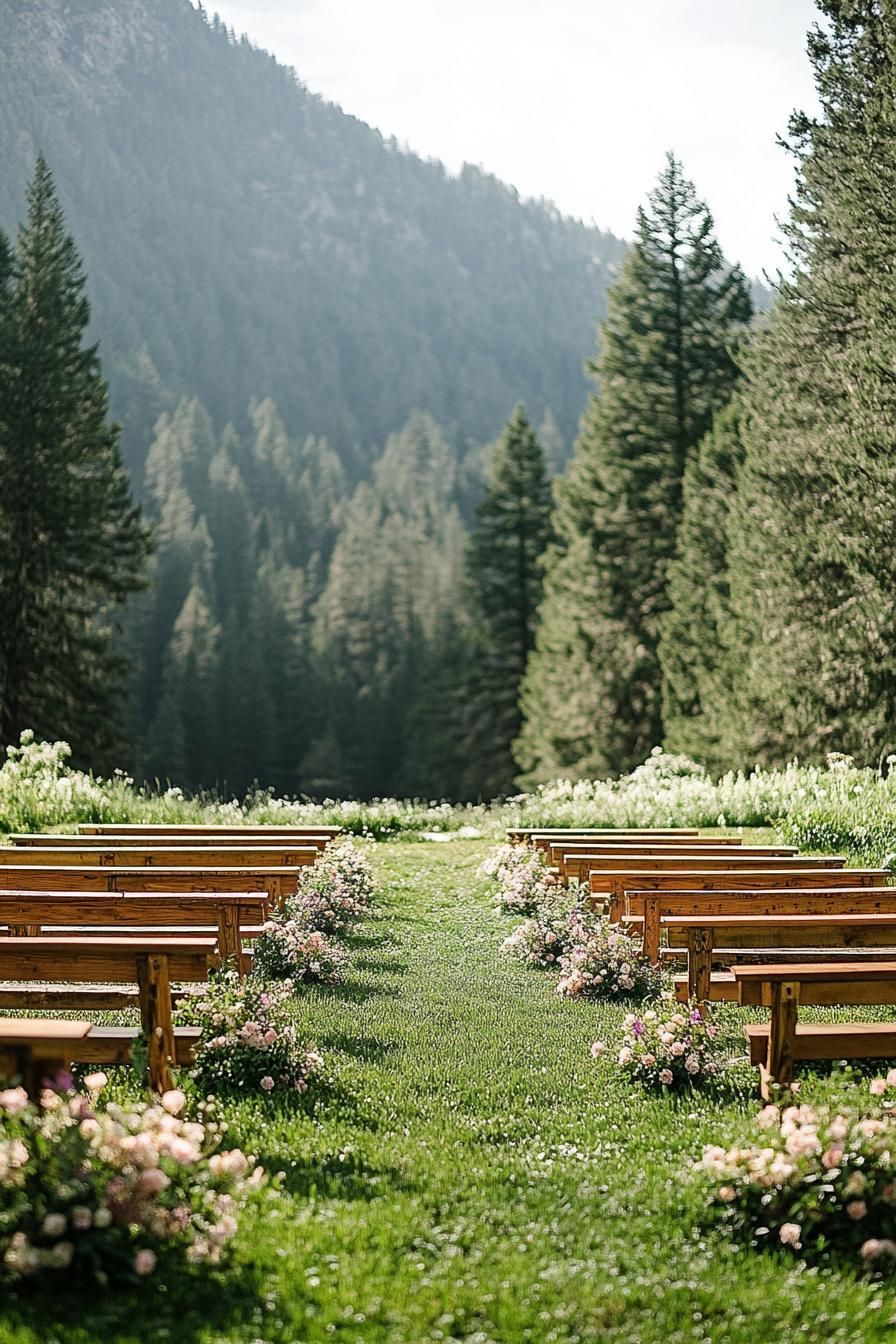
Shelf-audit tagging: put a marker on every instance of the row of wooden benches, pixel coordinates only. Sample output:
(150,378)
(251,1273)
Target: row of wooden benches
(177,902)
(786,929)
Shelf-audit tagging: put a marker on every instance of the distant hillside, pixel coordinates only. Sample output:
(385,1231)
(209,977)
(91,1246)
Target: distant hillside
(245,239)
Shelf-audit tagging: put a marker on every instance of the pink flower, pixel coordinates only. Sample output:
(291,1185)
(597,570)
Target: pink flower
(625,1056)
(267,1083)
(144,1262)
(174,1101)
(13,1100)
(666,1077)
(877,1087)
(95,1082)
(727,1193)
(857,1208)
(789,1235)
(597,1049)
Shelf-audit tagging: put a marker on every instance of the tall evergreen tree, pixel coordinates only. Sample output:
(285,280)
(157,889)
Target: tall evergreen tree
(696,629)
(813,567)
(512,532)
(73,546)
(592,692)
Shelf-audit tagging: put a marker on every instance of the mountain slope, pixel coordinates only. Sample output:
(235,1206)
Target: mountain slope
(245,239)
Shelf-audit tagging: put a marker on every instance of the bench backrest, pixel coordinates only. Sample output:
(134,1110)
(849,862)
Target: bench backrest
(276,882)
(129,856)
(191,828)
(600,870)
(578,861)
(760,928)
(98,960)
(54,840)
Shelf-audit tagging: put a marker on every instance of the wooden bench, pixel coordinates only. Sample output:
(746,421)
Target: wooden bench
(230,916)
(784,988)
(197,829)
(730,937)
(652,909)
(277,883)
(527,834)
(37,1050)
(599,870)
(56,840)
(150,856)
(628,890)
(154,963)
(579,862)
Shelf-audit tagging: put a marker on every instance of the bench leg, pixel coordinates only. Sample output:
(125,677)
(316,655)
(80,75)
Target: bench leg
(155,1014)
(651,946)
(781,1036)
(699,965)
(230,944)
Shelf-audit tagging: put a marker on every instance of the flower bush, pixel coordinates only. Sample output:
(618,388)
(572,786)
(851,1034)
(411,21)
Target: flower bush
(669,1054)
(607,963)
(543,938)
(333,895)
(109,1190)
(287,951)
(248,1041)
(814,1181)
(524,882)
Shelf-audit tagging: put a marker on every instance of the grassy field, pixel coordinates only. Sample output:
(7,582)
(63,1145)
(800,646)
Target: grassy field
(469,1174)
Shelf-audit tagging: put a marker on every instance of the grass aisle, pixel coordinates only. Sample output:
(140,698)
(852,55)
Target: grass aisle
(471,1174)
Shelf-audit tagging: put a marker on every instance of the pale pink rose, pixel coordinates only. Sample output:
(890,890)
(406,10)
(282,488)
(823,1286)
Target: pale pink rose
(648,1061)
(625,1056)
(54,1225)
(891,1078)
(877,1087)
(13,1100)
(153,1181)
(82,1218)
(831,1158)
(95,1082)
(676,1049)
(857,1208)
(597,1049)
(666,1077)
(174,1101)
(789,1235)
(267,1083)
(727,1193)
(144,1261)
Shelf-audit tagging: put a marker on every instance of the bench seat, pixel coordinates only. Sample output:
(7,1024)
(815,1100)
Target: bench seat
(828,1040)
(36,1050)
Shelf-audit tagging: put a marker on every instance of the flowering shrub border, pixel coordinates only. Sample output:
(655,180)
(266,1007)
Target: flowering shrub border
(108,1190)
(814,1181)
(605,962)
(669,1053)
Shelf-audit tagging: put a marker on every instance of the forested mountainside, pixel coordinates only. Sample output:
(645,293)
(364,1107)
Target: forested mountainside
(245,239)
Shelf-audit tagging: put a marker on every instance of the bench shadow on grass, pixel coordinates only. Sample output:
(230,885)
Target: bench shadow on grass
(181,1305)
(343,1176)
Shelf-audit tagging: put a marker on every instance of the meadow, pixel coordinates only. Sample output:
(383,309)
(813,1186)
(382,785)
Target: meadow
(466,1172)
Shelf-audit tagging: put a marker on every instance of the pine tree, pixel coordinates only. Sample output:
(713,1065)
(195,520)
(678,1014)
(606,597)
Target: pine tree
(512,532)
(693,651)
(813,567)
(592,692)
(74,547)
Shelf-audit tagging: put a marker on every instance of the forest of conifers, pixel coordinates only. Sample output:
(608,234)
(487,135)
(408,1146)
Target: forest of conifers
(402,542)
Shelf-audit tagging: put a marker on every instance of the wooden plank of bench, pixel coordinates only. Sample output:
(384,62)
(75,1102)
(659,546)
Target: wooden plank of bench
(276,882)
(64,840)
(828,1040)
(198,828)
(77,999)
(601,868)
(129,856)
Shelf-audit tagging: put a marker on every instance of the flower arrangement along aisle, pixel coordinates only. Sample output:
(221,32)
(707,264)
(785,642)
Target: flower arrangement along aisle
(670,1053)
(334,895)
(604,962)
(249,1041)
(525,883)
(815,1181)
(287,951)
(543,938)
(110,1192)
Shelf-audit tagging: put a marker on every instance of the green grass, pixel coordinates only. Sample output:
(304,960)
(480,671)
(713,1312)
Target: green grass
(468,1173)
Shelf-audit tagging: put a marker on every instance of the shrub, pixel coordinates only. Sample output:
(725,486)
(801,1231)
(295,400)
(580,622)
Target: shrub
(334,894)
(286,950)
(107,1190)
(545,937)
(524,882)
(815,1181)
(607,963)
(669,1053)
(248,1041)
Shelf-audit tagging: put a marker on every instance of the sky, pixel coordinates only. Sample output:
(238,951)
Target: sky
(573,100)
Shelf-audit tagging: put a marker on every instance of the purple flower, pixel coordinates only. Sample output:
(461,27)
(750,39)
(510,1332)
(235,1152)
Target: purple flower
(696,1015)
(637,1028)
